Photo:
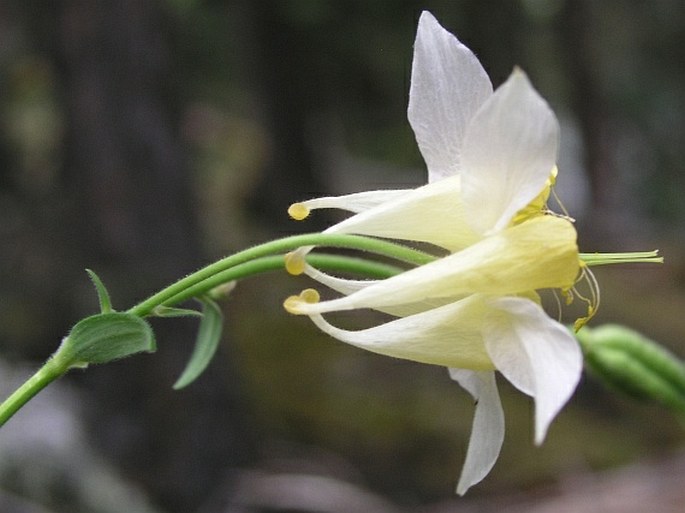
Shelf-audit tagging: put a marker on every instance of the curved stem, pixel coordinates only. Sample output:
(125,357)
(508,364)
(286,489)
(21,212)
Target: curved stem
(378,246)
(246,263)
(355,265)
(339,263)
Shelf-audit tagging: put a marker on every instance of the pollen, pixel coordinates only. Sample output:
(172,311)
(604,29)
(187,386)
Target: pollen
(298,211)
(294,263)
(293,304)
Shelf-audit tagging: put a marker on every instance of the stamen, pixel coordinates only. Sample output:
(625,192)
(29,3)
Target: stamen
(568,296)
(539,204)
(592,302)
(549,212)
(295,263)
(298,211)
(557,199)
(293,304)
(558,303)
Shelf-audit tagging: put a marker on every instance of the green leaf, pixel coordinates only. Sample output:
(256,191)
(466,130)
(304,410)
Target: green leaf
(106,337)
(170,311)
(208,337)
(103,295)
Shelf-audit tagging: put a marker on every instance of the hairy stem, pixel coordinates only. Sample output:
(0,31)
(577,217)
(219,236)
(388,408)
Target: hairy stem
(381,247)
(367,268)
(49,372)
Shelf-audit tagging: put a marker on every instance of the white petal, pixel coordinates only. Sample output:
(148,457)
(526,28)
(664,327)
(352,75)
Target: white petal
(487,433)
(338,284)
(345,286)
(540,253)
(432,213)
(537,354)
(448,84)
(510,149)
(407,216)
(449,336)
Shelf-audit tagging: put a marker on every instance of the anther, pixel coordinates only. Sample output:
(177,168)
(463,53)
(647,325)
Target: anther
(567,294)
(594,299)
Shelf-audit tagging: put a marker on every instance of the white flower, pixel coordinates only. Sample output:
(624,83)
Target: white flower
(491,162)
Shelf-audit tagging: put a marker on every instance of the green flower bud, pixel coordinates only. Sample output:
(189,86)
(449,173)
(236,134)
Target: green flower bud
(634,364)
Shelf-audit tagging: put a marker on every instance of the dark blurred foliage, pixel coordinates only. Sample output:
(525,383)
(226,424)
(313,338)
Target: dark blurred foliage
(144,138)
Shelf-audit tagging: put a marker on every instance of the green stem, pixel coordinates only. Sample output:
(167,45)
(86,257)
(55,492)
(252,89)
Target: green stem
(244,264)
(356,242)
(327,262)
(361,266)
(49,372)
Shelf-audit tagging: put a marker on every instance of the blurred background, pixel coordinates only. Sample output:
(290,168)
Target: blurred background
(143,139)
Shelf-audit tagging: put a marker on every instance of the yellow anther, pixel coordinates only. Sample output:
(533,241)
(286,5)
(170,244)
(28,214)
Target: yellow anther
(293,304)
(593,301)
(582,321)
(567,294)
(298,211)
(294,263)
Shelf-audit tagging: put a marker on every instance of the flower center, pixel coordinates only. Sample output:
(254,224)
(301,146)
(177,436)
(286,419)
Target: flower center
(538,205)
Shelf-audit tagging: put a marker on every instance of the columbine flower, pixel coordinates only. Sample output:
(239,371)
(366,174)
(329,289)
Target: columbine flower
(491,163)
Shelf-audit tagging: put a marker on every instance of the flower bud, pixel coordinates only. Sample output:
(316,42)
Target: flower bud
(634,364)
